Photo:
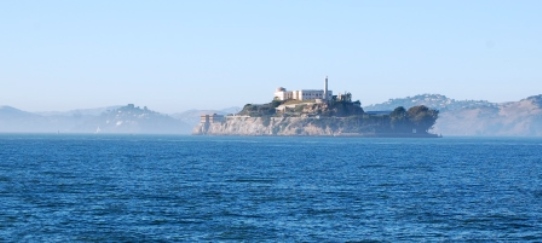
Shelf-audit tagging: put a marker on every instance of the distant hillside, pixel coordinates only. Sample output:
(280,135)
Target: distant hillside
(131,119)
(116,119)
(434,101)
(15,120)
(477,117)
(6,111)
(80,112)
(521,118)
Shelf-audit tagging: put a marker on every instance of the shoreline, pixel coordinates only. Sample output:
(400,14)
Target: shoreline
(328,135)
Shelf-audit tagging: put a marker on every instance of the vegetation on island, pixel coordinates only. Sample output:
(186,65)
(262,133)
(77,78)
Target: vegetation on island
(420,118)
(417,119)
(307,108)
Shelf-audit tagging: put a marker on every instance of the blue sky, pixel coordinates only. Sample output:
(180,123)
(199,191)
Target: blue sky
(176,55)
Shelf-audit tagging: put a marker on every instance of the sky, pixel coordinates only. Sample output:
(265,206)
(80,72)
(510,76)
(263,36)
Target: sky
(172,56)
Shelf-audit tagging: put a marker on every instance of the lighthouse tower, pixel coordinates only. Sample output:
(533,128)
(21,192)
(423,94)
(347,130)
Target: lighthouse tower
(326,98)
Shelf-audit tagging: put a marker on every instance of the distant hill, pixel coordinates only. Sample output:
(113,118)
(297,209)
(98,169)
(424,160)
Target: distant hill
(80,112)
(520,118)
(434,101)
(12,112)
(114,119)
(131,119)
(15,120)
(477,117)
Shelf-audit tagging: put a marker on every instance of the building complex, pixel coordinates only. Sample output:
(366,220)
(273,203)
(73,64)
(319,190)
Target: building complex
(317,96)
(304,94)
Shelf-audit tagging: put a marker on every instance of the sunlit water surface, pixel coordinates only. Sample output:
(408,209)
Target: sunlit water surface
(62,188)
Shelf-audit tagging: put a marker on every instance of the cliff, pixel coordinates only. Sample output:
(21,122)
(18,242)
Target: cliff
(304,126)
(239,125)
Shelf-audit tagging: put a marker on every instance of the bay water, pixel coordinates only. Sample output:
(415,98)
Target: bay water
(136,188)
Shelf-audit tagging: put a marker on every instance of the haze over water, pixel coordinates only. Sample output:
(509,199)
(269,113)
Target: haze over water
(59,188)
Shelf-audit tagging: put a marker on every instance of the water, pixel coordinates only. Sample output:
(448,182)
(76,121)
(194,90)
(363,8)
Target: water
(84,188)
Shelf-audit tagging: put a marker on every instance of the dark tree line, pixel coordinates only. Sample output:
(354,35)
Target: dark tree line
(419,117)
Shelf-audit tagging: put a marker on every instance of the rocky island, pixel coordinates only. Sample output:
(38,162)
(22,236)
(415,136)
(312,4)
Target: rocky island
(319,113)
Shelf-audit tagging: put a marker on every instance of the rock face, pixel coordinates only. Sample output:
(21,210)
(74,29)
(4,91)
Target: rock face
(369,126)
(281,126)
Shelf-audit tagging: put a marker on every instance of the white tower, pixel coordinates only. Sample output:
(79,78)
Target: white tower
(325,90)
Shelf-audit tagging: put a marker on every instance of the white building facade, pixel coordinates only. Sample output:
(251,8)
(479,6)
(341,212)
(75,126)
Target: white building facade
(304,94)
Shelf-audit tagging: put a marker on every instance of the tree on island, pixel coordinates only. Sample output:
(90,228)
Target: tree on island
(422,118)
(399,120)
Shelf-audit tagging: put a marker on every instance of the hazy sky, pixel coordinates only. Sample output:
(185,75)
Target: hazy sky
(175,55)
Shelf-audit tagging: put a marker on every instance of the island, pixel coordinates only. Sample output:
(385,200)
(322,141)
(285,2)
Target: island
(313,112)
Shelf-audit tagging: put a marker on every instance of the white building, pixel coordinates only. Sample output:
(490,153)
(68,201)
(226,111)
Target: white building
(304,94)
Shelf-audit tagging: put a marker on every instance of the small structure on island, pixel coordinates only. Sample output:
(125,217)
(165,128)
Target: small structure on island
(346,96)
(326,93)
(206,121)
(211,118)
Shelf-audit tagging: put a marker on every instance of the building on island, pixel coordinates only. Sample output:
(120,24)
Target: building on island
(313,96)
(304,94)
(344,97)
(211,118)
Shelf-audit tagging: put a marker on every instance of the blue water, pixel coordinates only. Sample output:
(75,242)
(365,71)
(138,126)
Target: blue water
(85,188)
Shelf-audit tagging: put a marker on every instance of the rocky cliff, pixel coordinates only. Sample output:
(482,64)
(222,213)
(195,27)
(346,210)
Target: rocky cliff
(308,126)
(279,126)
